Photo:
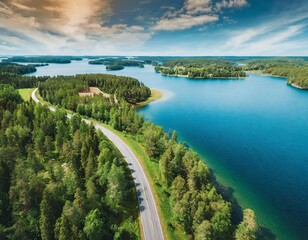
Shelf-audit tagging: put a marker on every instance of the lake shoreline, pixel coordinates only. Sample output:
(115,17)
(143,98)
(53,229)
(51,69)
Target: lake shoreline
(186,76)
(295,85)
(155,95)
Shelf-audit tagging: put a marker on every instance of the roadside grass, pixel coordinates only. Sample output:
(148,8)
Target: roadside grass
(155,95)
(25,93)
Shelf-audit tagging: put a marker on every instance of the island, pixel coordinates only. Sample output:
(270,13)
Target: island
(16,68)
(202,68)
(43,59)
(114,67)
(114,64)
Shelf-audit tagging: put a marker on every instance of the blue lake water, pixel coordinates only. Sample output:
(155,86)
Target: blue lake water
(253,133)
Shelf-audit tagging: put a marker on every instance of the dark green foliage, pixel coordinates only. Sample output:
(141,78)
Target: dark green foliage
(195,203)
(114,67)
(117,63)
(63,91)
(94,225)
(43,59)
(9,97)
(248,228)
(51,177)
(65,88)
(16,68)
(201,68)
(294,69)
(78,173)
(19,81)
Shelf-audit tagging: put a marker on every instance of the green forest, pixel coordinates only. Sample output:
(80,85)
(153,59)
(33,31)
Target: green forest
(59,178)
(16,68)
(200,68)
(195,203)
(294,69)
(42,59)
(114,67)
(66,88)
(62,180)
(114,64)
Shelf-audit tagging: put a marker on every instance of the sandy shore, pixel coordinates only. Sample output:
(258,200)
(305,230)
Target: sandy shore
(155,95)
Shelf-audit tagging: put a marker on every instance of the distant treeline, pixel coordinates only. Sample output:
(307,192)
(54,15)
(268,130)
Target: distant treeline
(16,68)
(116,63)
(43,59)
(19,81)
(200,68)
(60,178)
(294,69)
(114,67)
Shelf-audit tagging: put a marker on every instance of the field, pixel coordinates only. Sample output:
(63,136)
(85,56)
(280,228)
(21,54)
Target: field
(25,93)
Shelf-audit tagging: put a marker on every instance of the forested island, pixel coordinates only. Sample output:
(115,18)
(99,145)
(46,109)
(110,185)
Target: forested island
(294,69)
(43,59)
(114,64)
(200,68)
(114,67)
(16,68)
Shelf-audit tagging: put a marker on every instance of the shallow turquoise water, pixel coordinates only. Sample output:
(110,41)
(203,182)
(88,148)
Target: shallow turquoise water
(253,133)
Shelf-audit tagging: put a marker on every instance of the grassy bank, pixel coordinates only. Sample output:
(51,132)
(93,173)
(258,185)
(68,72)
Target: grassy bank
(155,95)
(25,93)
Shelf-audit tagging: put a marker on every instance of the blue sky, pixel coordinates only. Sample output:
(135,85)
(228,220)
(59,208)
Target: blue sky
(154,27)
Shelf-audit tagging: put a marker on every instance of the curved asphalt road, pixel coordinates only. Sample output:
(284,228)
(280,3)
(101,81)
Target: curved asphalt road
(149,216)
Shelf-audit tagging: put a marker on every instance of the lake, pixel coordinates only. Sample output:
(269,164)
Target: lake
(253,134)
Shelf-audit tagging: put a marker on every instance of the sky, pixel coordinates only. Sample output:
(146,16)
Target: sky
(154,27)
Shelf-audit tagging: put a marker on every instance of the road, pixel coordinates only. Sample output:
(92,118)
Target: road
(151,226)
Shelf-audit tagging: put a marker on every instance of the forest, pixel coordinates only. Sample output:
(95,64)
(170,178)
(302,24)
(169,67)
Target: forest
(114,67)
(195,202)
(62,180)
(129,89)
(16,68)
(113,64)
(200,68)
(59,178)
(294,69)
(42,59)
(18,81)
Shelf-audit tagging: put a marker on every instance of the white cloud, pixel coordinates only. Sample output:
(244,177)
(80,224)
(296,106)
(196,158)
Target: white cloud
(274,41)
(231,4)
(195,13)
(65,27)
(276,36)
(197,6)
(183,21)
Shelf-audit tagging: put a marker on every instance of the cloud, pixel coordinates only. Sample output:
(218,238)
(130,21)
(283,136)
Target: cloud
(44,26)
(231,4)
(274,36)
(183,21)
(195,13)
(197,6)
